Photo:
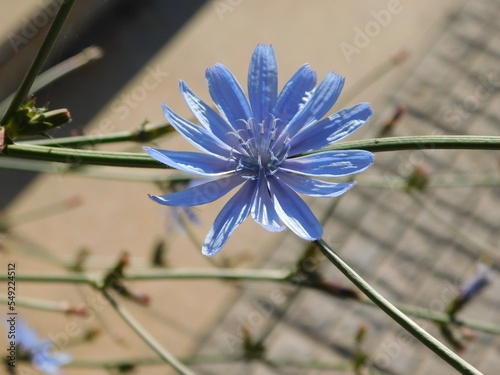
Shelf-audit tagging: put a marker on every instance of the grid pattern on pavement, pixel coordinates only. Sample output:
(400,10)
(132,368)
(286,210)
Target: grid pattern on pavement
(413,250)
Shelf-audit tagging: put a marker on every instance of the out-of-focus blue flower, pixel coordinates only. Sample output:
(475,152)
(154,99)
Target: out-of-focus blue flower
(475,284)
(179,213)
(39,351)
(182,216)
(259,142)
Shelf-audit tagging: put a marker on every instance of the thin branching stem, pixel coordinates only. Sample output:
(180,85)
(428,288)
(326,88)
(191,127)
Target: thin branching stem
(36,303)
(145,133)
(217,359)
(129,159)
(409,325)
(58,71)
(37,64)
(243,274)
(146,336)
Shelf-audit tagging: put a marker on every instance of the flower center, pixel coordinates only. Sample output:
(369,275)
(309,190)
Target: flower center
(258,153)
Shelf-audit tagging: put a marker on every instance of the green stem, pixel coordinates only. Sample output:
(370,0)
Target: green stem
(114,363)
(425,142)
(247,274)
(485,179)
(212,273)
(20,246)
(148,339)
(35,303)
(128,159)
(24,89)
(213,359)
(440,317)
(95,171)
(185,273)
(82,157)
(39,213)
(81,59)
(76,278)
(60,70)
(423,336)
(145,133)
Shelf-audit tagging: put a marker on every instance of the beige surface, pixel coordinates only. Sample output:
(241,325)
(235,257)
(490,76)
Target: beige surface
(15,13)
(117,216)
(23,24)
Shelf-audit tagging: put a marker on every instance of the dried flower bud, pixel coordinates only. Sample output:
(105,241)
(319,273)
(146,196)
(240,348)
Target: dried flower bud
(398,113)
(360,335)
(418,179)
(81,310)
(252,349)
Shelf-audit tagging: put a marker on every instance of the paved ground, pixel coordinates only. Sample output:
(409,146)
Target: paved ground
(405,247)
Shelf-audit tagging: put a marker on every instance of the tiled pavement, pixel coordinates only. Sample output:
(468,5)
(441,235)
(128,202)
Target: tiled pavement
(411,249)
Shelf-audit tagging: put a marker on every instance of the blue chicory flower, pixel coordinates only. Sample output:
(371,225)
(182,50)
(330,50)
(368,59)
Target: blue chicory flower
(40,352)
(259,142)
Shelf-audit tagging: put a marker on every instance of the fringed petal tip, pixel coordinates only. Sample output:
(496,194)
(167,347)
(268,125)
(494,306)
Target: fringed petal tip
(208,250)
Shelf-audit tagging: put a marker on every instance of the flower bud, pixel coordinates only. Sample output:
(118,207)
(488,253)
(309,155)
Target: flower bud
(52,119)
(418,179)
(391,123)
(30,120)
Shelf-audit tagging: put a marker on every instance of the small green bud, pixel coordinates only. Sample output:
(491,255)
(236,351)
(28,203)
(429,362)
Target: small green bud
(52,119)
(41,122)
(30,120)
